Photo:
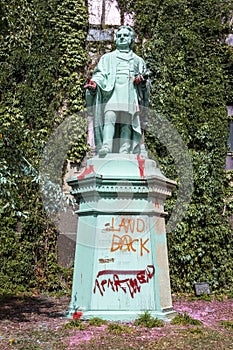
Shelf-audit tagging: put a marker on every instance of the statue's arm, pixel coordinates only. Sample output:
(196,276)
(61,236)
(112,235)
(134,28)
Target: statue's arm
(98,77)
(94,85)
(142,74)
(95,88)
(142,85)
(100,73)
(91,85)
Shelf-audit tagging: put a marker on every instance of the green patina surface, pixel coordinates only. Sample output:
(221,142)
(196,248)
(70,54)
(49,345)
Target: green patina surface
(121,264)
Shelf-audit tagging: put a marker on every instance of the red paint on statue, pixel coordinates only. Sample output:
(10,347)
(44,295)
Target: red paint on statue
(131,285)
(141,165)
(87,171)
(77,315)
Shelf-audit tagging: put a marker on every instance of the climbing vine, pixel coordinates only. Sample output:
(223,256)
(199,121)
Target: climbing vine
(43,60)
(42,55)
(190,68)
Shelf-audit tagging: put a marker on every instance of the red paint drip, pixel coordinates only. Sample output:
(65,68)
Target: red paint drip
(77,315)
(125,272)
(141,165)
(87,171)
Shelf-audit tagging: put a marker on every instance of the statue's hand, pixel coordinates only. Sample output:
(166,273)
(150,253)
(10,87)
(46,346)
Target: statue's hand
(90,85)
(139,79)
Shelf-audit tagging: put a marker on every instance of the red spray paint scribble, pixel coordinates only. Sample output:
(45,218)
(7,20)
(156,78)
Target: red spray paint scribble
(131,285)
(87,171)
(141,165)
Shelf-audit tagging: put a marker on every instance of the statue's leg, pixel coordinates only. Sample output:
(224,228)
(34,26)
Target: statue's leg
(125,132)
(108,132)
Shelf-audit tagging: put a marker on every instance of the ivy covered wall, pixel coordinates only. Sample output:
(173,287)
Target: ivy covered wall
(42,59)
(190,64)
(43,63)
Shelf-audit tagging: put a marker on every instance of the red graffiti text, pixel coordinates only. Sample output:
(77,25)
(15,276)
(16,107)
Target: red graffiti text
(131,285)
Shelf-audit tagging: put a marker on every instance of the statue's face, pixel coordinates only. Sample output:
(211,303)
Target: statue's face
(123,39)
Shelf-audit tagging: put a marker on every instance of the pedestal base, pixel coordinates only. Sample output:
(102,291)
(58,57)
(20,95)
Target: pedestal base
(124,315)
(121,264)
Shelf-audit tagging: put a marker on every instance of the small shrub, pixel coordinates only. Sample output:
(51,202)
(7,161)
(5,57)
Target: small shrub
(227,324)
(196,331)
(119,328)
(147,320)
(184,320)
(77,324)
(205,297)
(96,321)
(219,297)
(230,295)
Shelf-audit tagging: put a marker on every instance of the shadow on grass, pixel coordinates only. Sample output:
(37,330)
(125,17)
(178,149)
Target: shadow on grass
(23,308)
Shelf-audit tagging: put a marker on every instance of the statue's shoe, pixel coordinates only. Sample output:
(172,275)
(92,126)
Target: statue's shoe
(125,148)
(103,151)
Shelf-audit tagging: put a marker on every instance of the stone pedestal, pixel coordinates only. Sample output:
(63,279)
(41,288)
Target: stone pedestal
(121,263)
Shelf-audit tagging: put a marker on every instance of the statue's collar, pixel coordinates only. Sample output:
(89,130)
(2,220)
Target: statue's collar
(125,51)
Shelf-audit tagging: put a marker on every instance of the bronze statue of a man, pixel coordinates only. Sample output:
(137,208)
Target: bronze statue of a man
(116,95)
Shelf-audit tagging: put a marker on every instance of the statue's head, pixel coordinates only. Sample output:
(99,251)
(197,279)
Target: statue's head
(125,37)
